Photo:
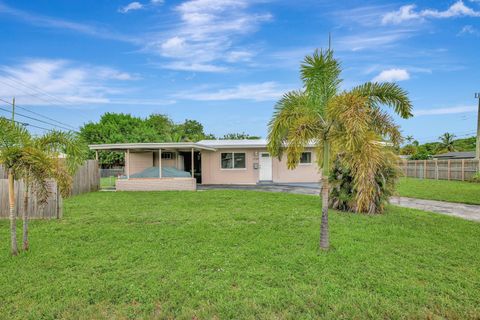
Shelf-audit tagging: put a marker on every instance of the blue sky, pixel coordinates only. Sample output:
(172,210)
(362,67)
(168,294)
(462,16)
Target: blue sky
(226,62)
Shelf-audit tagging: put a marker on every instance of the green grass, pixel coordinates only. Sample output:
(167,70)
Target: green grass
(107,182)
(443,190)
(239,255)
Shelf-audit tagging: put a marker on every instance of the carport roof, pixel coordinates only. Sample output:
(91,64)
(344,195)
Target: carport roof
(150,146)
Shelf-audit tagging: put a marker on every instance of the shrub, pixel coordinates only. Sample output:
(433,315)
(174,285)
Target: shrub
(476,178)
(344,194)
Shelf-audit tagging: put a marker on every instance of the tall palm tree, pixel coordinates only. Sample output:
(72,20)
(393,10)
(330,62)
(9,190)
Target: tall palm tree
(335,121)
(447,142)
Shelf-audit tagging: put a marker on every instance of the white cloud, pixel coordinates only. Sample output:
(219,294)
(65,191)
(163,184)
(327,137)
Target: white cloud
(43,82)
(371,40)
(194,67)
(157,2)
(469,29)
(131,6)
(442,111)
(206,34)
(392,75)
(65,25)
(405,13)
(408,13)
(265,91)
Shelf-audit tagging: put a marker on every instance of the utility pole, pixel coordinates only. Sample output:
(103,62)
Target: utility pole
(477,154)
(13,111)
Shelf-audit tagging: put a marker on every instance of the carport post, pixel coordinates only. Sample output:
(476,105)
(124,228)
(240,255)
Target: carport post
(160,163)
(127,162)
(96,155)
(193,170)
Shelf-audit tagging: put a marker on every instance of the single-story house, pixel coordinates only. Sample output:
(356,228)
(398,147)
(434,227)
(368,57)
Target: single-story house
(455,155)
(180,166)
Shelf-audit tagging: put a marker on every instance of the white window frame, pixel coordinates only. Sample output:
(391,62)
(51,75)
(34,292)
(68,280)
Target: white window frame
(306,163)
(233,161)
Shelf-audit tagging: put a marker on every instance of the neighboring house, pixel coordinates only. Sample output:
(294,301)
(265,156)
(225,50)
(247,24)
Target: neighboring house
(180,166)
(455,155)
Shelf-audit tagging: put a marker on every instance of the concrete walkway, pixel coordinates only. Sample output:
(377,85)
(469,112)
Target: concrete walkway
(464,211)
(461,210)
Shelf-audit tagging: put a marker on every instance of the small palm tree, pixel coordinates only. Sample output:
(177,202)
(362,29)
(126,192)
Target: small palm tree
(35,160)
(348,122)
(409,139)
(65,152)
(447,143)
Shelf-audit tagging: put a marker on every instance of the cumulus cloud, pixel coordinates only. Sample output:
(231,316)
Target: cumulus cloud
(131,7)
(409,13)
(265,91)
(392,75)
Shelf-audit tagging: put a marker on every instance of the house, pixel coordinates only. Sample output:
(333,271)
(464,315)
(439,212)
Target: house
(180,166)
(455,155)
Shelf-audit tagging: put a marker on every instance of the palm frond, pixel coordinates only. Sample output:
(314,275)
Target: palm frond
(320,74)
(389,94)
(293,105)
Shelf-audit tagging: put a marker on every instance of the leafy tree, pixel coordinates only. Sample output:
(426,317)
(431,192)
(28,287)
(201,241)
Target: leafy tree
(161,123)
(351,121)
(121,128)
(192,130)
(239,136)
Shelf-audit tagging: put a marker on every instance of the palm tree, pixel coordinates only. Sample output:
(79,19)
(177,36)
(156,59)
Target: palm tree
(15,142)
(335,121)
(64,153)
(447,142)
(409,139)
(35,160)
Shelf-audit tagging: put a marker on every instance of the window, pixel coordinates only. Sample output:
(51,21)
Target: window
(306,158)
(233,160)
(167,155)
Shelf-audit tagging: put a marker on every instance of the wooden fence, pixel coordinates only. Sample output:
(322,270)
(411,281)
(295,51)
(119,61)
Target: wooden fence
(87,179)
(458,169)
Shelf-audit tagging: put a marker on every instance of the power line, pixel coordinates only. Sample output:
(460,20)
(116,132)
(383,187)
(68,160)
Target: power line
(30,125)
(34,119)
(35,88)
(38,114)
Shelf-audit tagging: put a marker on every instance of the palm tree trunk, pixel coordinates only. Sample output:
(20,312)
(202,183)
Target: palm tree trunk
(13,217)
(324,239)
(25,219)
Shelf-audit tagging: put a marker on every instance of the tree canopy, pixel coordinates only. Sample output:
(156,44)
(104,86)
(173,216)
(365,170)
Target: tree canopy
(124,128)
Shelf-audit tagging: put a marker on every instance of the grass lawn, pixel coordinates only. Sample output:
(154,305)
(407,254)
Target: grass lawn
(107,182)
(443,190)
(239,255)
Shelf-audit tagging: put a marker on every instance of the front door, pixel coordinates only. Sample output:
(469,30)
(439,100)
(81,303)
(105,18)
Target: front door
(265,167)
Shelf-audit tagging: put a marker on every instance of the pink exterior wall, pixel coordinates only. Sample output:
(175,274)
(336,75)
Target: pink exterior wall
(163,184)
(140,161)
(213,174)
(302,173)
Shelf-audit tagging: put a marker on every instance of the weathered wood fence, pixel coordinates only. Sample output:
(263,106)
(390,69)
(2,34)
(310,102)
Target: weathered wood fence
(458,169)
(87,179)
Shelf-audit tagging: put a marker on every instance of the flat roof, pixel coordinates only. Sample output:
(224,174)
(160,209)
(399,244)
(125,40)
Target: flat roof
(150,146)
(210,145)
